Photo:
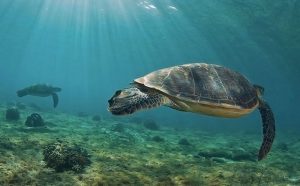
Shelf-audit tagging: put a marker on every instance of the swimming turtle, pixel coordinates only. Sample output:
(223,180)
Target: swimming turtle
(42,90)
(200,88)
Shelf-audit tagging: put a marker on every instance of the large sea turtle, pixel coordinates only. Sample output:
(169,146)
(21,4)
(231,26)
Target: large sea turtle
(42,90)
(201,88)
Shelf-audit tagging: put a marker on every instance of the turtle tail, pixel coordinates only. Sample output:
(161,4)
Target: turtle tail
(268,122)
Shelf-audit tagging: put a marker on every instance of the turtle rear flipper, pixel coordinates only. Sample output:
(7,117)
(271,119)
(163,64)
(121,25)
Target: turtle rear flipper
(268,129)
(55,99)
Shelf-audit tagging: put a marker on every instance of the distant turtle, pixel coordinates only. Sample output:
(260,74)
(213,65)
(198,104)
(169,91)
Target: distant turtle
(201,88)
(41,90)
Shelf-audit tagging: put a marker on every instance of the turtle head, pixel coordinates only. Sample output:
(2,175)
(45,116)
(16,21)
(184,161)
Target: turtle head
(22,92)
(126,101)
(259,89)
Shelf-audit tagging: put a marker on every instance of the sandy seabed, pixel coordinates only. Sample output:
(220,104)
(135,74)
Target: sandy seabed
(128,152)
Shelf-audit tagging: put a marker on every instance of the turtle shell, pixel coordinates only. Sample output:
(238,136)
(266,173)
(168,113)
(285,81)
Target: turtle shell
(203,83)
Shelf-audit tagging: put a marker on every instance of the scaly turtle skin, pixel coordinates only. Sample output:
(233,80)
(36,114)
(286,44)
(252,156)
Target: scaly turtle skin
(200,88)
(41,90)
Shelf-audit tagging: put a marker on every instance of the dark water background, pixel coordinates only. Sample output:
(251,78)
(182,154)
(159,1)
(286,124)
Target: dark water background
(91,48)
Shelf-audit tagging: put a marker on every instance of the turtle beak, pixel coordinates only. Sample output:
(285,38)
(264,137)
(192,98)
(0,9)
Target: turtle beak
(113,105)
(110,103)
(111,100)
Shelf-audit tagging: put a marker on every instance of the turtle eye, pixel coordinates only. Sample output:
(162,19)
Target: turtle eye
(118,92)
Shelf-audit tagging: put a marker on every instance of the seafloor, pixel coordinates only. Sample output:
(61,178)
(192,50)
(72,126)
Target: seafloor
(128,152)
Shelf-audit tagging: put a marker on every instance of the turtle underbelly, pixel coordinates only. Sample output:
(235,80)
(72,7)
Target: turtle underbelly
(40,94)
(219,110)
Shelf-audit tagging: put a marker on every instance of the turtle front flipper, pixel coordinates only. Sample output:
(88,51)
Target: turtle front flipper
(268,128)
(55,99)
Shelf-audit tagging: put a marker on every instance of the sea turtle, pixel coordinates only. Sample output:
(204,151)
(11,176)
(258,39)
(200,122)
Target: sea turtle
(42,90)
(200,88)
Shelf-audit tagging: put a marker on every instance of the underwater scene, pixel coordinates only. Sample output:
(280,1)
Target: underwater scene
(149,92)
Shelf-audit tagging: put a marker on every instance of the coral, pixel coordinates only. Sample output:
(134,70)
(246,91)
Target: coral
(184,141)
(12,114)
(62,157)
(158,139)
(151,125)
(34,120)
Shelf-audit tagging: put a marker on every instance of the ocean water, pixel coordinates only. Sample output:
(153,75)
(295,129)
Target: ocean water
(91,48)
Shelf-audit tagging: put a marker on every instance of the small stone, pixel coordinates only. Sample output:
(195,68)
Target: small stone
(184,141)
(158,139)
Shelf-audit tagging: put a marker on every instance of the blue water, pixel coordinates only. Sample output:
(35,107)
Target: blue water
(92,48)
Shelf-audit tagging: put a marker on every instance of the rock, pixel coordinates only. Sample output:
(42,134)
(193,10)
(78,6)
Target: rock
(184,141)
(34,120)
(158,139)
